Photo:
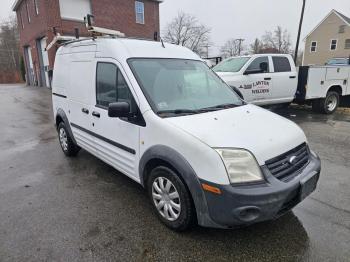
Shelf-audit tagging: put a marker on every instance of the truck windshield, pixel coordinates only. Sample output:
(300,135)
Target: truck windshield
(231,65)
(179,86)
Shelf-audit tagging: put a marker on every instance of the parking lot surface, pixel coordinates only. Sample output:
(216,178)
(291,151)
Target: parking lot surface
(53,208)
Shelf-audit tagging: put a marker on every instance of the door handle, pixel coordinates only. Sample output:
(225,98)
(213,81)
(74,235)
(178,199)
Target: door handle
(267,78)
(96,114)
(291,77)
(85,110)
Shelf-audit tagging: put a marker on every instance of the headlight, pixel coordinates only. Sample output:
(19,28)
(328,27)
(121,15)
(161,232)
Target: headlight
(241,165)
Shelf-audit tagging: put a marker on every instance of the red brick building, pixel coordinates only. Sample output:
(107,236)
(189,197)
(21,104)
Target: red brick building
(37,18)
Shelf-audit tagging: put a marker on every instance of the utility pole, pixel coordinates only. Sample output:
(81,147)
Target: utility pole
(299,32)
(240,41)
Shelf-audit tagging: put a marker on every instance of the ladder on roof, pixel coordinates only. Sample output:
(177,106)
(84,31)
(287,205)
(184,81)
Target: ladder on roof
(93,30)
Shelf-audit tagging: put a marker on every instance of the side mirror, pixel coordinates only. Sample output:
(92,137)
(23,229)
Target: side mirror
(119,109)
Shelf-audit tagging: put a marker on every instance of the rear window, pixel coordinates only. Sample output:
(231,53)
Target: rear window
(281,64)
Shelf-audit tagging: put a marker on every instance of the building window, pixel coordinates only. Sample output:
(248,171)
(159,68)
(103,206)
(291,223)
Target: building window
(347,44)
(36,7)
(334,44)
(28,14)
(75,10)
(140,12)
(313,46)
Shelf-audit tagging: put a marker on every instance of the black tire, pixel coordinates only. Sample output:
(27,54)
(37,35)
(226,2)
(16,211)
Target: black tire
(187,215)
(324,103)
(70,149)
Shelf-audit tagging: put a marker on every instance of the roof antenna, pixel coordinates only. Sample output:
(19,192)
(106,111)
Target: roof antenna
(161,40)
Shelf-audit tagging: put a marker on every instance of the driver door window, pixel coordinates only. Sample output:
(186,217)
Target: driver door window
(111,86)
(256,64)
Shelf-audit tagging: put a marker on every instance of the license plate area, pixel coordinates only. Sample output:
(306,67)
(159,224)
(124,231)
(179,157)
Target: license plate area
(308,185)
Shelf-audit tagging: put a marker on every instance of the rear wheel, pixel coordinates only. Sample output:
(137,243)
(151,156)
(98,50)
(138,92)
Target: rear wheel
(327,105)
(66,142)
(170,199)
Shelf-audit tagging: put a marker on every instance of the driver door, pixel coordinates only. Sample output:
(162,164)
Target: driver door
(117,139)
(257,87)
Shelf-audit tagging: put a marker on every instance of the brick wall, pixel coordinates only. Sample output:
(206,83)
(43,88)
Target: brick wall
(112,14)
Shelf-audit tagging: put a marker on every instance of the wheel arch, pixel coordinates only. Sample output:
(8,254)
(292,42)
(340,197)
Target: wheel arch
(62,117)
(336,88)
(164,155)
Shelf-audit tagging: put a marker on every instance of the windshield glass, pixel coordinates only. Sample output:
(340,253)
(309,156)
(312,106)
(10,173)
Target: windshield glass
(338,61)
(231,65)
(178,86)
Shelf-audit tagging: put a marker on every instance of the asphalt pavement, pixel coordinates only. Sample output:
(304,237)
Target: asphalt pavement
(54,208)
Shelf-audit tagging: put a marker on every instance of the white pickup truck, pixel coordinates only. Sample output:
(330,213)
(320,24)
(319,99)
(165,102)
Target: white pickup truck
(267,79)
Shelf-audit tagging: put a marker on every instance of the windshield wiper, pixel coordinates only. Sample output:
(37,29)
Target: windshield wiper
(179,112)
(222,106)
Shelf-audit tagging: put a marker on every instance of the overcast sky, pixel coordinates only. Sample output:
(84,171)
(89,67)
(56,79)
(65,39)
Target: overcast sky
(241,18)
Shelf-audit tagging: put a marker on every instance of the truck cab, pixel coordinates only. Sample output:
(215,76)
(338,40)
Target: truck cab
(262,79)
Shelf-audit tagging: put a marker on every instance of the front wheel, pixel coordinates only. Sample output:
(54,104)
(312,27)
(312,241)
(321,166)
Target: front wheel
(170,199)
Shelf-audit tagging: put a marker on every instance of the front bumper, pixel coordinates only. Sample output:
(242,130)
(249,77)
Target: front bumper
(248,204)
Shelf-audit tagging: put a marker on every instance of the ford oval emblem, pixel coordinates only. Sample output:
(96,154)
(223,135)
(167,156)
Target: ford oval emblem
(292,160)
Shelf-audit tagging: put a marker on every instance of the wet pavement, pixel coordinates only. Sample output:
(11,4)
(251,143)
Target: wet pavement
(57,209)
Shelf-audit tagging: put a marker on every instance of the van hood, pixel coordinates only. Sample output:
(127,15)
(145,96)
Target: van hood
(249,127)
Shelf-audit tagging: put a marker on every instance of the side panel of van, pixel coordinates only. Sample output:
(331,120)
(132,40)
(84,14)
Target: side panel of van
(80,99)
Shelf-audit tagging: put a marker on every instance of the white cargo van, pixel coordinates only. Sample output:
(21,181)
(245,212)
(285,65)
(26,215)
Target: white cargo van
(160,116)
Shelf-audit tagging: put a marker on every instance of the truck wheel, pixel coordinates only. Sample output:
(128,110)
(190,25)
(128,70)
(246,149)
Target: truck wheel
(329,104)
(68,147)
(170,199)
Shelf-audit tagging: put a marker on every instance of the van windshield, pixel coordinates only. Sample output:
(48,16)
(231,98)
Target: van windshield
(233,64)
(179,86)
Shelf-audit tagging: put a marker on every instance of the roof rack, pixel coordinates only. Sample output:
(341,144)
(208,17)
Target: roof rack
(99,31)
(93,30)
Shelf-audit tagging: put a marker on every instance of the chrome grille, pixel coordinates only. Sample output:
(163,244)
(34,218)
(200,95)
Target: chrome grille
(286,166)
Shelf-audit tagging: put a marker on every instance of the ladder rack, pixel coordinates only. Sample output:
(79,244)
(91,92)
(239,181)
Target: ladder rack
(93,30)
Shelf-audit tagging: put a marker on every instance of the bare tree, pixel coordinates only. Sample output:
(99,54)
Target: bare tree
(185,30)
(232,47)
(9,45)
(256,46)
(278,40)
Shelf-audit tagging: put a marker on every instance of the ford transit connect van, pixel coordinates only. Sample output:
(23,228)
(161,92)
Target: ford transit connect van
(159,115)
